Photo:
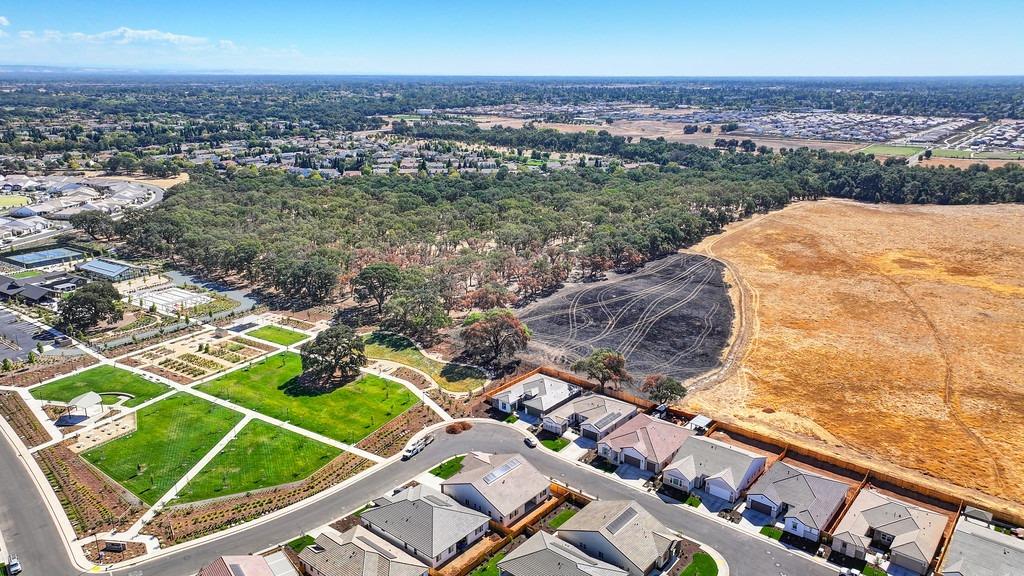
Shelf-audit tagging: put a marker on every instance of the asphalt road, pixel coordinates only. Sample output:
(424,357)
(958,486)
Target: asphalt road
(30,532)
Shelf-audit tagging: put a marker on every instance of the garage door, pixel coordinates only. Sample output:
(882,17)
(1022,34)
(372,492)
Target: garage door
(652,466)
(590,434)
(720,492)
(633,461)
(760,507)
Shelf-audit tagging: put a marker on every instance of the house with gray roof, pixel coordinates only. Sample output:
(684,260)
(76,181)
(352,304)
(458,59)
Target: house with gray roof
(909,533)
(807,502)
(537,395)
(426,524)
(645,442)
(550,556)
(503,486)
(595,415)
(721,469)
(977,550)
(358,552)
(622,533)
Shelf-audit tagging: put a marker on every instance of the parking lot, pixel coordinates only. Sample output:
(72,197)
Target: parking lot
(18,338)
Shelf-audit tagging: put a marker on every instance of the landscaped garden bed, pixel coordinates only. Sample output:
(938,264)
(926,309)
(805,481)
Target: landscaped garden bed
(92,503)
(560,515)
(391,438)
(183,523)
(48,367)
(452,377)
(22,420)
(96,551)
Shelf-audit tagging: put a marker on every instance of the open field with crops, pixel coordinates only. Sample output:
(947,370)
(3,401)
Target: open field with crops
(891,332)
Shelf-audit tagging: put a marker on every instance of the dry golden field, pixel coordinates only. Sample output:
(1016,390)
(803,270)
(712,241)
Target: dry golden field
(893,333)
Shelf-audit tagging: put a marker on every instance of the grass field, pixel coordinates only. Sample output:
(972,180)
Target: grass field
(886,150)
(13,200)
(347,414)
(172,436)
(400,349)
(448,468)
(26,274)
(951,153)
(262,455)
(277,335)
(701,565)
(102,380)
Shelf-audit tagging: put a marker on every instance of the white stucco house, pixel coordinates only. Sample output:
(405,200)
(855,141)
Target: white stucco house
(720,469)
(503,486)
(805,502)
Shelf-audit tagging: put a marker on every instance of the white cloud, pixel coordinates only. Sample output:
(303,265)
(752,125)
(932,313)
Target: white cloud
(125,35)
(4,21)
(26,34)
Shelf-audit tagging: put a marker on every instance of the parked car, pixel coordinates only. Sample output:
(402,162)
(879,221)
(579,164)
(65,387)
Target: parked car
(13,566)
(417,447)
(531,441)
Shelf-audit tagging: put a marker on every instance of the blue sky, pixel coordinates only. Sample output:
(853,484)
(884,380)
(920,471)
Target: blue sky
(554,37)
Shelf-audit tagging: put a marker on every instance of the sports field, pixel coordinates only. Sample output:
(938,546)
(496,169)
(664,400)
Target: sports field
(346,414)
(454,377)
(261,455)
(886,150)
(171,437)
(106,380)
(277,335)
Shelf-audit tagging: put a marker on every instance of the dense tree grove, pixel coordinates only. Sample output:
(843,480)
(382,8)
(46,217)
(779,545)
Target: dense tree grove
(89,305)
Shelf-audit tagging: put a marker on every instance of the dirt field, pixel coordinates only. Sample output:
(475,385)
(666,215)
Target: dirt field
(894,332)
(672,317)
(965,162)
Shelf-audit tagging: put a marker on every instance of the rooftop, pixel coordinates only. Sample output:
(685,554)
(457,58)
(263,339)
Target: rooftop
(627,526)
(547,555)
(505,480)
(359,552)
(810,498)
(424,519)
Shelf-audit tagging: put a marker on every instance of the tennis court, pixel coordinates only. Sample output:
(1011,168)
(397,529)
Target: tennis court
(47,257)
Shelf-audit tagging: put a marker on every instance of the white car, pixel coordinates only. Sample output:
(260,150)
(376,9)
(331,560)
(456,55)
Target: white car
(13,566)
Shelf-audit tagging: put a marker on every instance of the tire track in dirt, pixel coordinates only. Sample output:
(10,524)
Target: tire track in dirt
(947,396)
(640,328)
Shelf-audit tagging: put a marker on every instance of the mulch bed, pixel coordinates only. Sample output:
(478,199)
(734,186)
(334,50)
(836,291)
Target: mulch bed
(34,374)
(419,380)
(20,417)
(686,551)
(95,552)
(253,343)
(127,348)
(173,376)
(390,438)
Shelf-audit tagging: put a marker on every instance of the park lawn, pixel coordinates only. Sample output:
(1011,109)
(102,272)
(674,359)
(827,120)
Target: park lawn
(13,200)
(886,150)
(347,414)
(701,565)
(26,274)
(102,380)
(260,456)
(277,335)
(395,348)
(171,437)
(448,468)
(555,444)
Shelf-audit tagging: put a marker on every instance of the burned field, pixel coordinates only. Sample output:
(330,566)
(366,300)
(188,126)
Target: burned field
(672,317)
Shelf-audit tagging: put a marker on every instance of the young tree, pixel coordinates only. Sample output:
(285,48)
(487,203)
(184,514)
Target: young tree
(7,365)
(334,356)
(494,335)
(663,389)
(377,282)
(604,365)
(89,305)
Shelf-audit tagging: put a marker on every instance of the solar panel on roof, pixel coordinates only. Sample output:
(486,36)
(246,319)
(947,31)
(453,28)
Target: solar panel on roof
(606,420)
(620,522)
(379,549)
(497,474)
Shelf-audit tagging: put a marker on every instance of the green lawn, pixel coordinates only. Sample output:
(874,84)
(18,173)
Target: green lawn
(562,517)
(771,532)
(347,414)
(400,349)
(300,543)
(871,570)
(693,501)
(172,436)
(555,444)
(489,568)
(950,153)
(277,335)
(103,380)
(26,274)
(448,468)
(886,150)
(13,200)
(262,455)
(702,565)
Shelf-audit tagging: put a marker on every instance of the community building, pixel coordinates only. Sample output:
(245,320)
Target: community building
(503,486)
(721,469)
(807,502)
(623,534)
(594,415)
(426,524)
(41,288)
(537,395)
(909,533)
(546,554)
(645,442)
(109,270)
(358,552)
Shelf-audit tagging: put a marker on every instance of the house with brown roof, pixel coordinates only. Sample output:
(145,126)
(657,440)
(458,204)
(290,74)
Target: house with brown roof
(910,534)
(623,534)
(645,442)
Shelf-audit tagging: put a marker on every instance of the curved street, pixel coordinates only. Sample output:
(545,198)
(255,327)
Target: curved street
(30,532)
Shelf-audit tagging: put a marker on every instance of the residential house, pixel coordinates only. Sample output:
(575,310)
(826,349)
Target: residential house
(623,534)
(807,502)
(721,469)
(545,554)
(909,533)
(276,564)
(503,486)
(358,552)
(594,415)
(537,395)
(426,524)
(645,442)
(977,550)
